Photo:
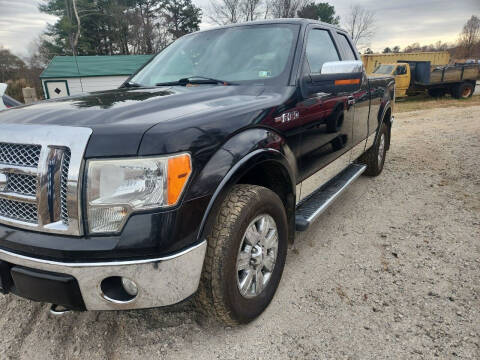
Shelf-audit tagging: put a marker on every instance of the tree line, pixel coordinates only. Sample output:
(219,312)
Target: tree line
(466,47)
(125,27)
(108,27)
(111,27)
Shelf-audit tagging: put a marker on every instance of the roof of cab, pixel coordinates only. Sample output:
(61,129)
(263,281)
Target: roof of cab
(299,21)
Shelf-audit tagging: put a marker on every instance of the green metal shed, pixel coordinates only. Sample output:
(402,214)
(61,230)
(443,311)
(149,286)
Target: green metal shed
(67,75)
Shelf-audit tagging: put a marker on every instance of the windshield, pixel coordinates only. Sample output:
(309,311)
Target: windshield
(384,69)
(257,53)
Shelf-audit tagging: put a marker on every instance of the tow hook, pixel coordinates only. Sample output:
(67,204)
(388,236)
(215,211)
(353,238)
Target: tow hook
(58,310)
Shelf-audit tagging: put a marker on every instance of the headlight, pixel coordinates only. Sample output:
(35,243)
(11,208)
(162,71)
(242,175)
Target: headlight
(117,188)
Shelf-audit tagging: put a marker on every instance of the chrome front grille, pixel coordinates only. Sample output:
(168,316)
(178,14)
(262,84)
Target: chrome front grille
(40,172)
(22,184)
(19,211)
(64,186)
(20,154)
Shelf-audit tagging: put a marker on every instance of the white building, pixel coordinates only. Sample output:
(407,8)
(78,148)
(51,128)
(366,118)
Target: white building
(67,75)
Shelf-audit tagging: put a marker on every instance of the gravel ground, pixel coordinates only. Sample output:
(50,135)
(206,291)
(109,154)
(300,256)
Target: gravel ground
(391,270)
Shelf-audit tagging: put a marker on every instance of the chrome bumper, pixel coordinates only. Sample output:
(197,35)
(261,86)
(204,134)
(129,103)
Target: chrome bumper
(162,281)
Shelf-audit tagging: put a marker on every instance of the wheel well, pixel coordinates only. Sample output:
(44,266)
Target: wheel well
(275,177)
(270,175)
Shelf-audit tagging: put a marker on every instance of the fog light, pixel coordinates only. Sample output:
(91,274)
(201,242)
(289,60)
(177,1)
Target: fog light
(129,286)
(118,290)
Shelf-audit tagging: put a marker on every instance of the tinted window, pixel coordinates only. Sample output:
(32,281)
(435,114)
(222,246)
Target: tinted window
(345,44)
(320,49)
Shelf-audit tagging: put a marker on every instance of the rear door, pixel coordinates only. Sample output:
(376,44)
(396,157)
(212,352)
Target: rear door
(360,98)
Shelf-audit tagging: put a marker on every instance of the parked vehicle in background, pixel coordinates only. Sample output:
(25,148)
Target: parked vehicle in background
(194,175)
(436,58)
(6,101)
(412,77)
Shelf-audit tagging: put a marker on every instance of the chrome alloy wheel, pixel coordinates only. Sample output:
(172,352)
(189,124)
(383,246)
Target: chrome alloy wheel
(257,256)
(381,150)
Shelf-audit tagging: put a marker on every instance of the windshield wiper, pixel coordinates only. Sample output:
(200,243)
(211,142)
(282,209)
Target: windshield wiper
(195,80)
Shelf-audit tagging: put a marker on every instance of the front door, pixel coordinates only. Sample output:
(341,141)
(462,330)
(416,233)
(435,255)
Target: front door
(327,119)
(402,79)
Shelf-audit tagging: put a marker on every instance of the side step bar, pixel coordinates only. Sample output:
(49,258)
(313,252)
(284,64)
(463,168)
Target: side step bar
(315,204)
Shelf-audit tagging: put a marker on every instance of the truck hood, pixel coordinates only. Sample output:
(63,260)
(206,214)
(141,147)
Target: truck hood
(120,118)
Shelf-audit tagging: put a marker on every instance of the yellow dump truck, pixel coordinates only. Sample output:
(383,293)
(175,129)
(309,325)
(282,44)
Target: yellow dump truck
(412,77)
(372,61)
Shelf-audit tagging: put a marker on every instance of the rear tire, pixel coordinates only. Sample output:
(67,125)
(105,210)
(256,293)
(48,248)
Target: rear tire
(374,158)
(463,91)
(234,287)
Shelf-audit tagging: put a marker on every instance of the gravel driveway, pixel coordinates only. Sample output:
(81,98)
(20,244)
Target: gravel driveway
(390,271)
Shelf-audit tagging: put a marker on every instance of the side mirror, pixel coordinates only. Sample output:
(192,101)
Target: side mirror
(335,77)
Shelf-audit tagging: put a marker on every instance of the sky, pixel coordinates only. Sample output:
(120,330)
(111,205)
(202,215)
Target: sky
(397,22)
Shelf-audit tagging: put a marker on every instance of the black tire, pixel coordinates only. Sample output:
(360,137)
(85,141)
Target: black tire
(371,158)
(218,294)
(437,93)
(463,91)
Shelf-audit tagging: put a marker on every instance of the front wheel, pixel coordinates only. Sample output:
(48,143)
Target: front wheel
(246,254)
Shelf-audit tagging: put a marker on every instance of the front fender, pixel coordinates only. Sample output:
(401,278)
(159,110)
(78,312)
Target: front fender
(247,147)
(235,158)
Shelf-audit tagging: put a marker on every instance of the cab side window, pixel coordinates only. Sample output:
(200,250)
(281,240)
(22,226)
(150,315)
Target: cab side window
(402,70)
(320,49)
(347,47)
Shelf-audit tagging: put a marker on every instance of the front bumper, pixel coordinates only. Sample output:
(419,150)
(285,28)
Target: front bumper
(161,281)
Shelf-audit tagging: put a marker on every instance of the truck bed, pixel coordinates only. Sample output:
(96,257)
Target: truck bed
(455,73)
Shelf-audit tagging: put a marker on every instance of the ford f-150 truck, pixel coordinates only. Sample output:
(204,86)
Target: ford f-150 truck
(193,177)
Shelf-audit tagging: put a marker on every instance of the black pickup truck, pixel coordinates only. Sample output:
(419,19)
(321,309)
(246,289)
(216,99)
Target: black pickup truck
(193,176)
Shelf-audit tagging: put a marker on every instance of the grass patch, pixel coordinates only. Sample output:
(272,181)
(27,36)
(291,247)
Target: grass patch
(424,102)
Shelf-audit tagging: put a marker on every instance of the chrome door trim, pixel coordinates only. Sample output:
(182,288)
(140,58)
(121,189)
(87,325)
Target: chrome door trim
(370,140)
(322,176)
(313,182)
(358,150)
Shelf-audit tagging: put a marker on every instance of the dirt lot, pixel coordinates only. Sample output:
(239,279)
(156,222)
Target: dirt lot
(424,102)
(390,271)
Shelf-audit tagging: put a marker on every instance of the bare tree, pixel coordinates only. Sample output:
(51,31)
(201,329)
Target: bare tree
(225,11)
(251,9)
(285,8)
(360,23)
(470,36)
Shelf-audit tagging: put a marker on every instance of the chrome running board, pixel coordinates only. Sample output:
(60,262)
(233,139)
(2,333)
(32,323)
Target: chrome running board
(311,207)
